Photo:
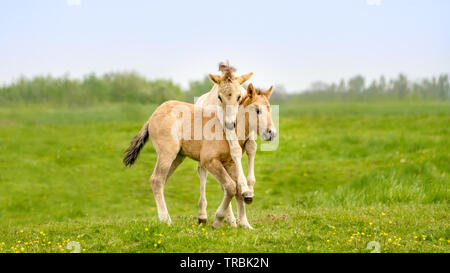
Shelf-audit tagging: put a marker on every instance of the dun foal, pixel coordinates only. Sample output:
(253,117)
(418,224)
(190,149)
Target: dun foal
(172,144)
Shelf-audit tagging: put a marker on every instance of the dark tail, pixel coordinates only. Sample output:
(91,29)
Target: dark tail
(136,145)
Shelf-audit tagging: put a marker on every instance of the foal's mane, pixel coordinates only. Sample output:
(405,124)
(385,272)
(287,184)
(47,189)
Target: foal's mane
(227,71)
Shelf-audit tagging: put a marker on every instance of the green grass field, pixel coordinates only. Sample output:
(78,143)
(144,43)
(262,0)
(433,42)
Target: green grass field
(343,175)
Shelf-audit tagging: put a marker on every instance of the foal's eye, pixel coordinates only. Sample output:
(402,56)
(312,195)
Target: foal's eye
(239,97)
(219,98)
(258,111)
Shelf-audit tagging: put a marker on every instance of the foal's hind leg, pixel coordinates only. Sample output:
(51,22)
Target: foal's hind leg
(162,170)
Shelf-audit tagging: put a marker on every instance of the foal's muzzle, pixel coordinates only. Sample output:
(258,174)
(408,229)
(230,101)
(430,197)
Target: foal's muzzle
(269,135)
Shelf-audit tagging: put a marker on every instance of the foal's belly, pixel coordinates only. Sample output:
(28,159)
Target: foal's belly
(191,149)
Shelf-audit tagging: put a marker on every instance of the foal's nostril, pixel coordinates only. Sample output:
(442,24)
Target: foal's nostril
(230,125)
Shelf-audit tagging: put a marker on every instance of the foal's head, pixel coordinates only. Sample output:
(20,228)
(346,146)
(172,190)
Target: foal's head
(229,92)
(256,103)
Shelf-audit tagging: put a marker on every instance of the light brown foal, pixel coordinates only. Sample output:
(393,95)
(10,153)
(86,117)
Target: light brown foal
(173,143)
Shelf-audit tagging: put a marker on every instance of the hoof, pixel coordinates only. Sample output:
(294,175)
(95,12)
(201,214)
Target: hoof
(202,221)
(248,197)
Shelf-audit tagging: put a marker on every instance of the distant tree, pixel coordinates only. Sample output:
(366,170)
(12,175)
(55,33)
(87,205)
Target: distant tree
(356,84)
(164,90)
(444,87)
(400,86)
(198,88)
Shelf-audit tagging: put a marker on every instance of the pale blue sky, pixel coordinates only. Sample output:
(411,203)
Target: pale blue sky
(283,42)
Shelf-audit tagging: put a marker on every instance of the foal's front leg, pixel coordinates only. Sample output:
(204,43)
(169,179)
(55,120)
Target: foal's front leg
(236,155)
(250,149)
(242,217)
(202,214)
(216,168)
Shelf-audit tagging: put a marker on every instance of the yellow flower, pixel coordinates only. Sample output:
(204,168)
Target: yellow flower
(155,245)
(223,233)
(389,240)
(383,214)
(206,233)
(203,229)
(146,229)
(328,241)
(159,242)
(21,231)
(390,222)
(370,223)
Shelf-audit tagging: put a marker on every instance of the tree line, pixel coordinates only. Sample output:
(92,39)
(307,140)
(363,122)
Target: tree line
(134,88)
(399,88)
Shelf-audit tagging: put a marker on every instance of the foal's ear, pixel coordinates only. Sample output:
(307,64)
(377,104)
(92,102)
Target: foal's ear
(251,92)
(243,78)
(215,78)
(268,92)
